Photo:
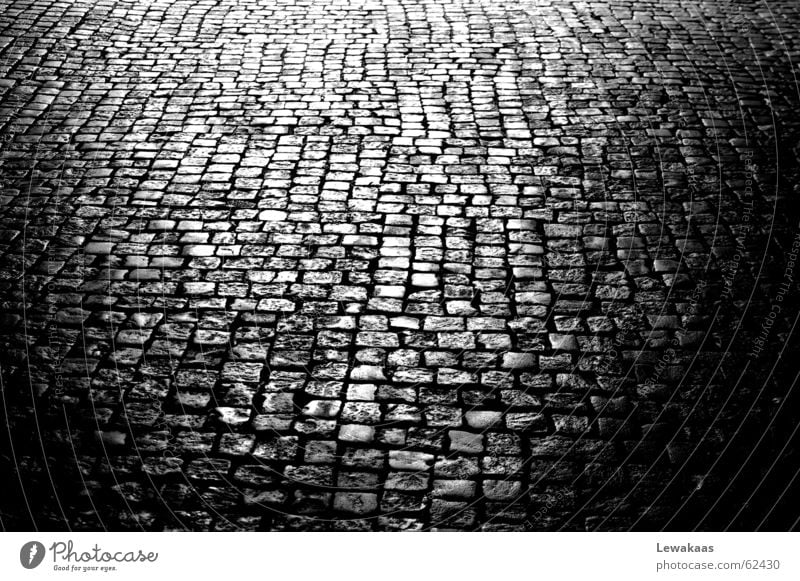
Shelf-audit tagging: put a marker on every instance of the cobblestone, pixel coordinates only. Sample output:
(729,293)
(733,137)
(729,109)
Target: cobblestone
(397,264)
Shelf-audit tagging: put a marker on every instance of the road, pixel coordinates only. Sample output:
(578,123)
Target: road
(398,265)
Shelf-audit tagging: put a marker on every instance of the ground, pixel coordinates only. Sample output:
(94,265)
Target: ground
(398,264)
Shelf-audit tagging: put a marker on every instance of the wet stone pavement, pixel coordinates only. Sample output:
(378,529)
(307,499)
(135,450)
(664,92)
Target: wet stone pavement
(398,264)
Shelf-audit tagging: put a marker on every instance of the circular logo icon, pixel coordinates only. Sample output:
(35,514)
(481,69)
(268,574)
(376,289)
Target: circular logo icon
(31,554)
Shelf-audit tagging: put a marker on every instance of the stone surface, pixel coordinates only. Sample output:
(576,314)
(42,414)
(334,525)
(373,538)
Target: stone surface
(398,265)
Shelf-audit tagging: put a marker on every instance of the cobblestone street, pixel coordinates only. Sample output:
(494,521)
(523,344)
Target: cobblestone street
(385,265)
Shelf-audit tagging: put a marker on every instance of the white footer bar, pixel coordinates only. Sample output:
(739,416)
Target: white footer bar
(399,556)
